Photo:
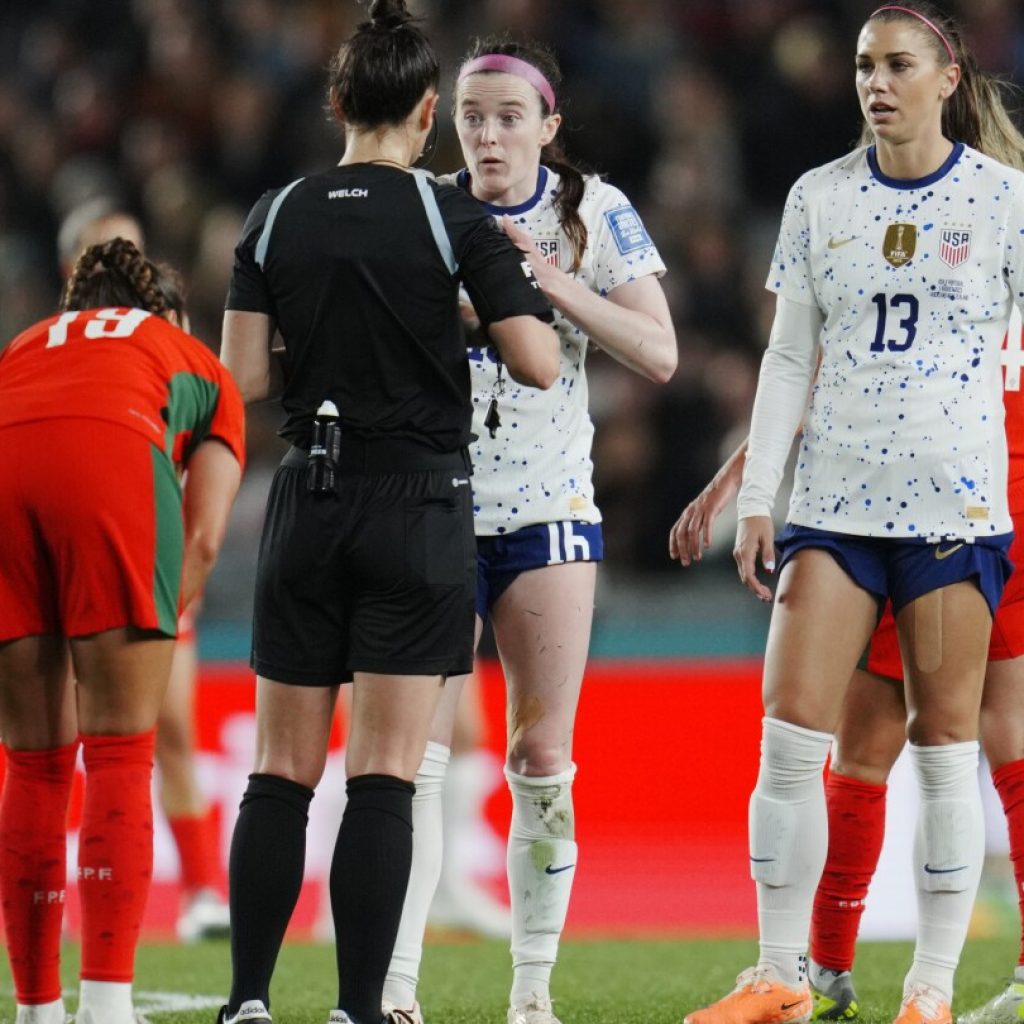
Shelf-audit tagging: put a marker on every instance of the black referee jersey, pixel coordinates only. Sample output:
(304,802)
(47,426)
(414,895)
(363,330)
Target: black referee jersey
(360,269)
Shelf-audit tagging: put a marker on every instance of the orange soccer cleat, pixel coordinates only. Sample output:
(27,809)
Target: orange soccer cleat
(758,998)
(924,1005)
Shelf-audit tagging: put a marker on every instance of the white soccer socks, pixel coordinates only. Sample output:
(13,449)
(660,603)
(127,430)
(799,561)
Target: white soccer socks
(541,865)
(949,848)
(427,852)
(788,841)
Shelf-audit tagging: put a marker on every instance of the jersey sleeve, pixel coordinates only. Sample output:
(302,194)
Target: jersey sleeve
(496,275)
(203,402)
(622,248)
(227,424)
(247,290)
(790,274)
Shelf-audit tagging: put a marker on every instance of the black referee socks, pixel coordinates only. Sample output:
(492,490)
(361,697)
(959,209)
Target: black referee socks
(369,876)
(268,854)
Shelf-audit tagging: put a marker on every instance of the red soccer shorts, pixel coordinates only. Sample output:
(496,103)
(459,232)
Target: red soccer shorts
(91,532)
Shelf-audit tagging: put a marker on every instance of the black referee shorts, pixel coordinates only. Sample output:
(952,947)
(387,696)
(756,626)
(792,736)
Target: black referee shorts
(379,577)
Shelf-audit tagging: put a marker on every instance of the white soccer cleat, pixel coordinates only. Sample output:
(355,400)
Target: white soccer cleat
(252,1011)
(396,1015)
(43,1013)
(1005,1008)
(338,1017)
(537,1011)
(205,917)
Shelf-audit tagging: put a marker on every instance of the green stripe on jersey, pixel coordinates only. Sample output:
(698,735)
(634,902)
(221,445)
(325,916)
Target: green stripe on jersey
(170,542)
(191,403)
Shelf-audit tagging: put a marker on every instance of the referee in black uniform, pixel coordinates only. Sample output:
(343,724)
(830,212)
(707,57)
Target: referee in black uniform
(367,566)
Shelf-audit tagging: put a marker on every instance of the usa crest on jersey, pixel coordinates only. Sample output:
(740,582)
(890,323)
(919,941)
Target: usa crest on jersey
(954,246)
(548,248)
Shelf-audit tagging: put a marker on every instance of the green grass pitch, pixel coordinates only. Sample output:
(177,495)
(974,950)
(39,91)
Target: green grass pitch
(613,981)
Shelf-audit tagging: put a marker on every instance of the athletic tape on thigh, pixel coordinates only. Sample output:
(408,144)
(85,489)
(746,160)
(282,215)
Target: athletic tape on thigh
(927,651)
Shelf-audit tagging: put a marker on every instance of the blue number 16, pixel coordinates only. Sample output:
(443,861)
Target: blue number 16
(908,323)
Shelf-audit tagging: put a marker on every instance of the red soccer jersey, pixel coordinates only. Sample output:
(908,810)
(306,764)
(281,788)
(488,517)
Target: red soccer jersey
(1013,400)
(125,366)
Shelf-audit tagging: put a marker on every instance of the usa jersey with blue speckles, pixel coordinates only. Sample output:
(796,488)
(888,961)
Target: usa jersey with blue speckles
(916,281)
(537,469)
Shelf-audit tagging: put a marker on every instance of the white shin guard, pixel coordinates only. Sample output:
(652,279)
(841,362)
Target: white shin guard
(949,848)
(427,852)
(541,865)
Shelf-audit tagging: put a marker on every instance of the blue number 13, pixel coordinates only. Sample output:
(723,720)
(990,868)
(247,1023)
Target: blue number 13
(908,323)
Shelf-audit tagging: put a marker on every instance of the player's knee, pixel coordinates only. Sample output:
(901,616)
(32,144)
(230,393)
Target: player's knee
(537,758)
(936,731)
(872,769)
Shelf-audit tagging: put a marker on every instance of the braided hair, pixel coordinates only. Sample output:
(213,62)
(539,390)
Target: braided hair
(115,273)
(571,183)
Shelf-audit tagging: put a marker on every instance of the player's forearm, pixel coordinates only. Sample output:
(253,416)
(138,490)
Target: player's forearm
(730,474)
(643,342)
(786,373)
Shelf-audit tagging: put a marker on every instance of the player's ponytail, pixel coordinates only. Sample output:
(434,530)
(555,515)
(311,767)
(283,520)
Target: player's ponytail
(975,113)
(571,184)
(115,273)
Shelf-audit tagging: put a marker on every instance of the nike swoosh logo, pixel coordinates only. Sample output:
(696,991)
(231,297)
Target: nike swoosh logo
(838,243)
(551,870)
(940,554)
(943,871)
(762,860)
(789,1006)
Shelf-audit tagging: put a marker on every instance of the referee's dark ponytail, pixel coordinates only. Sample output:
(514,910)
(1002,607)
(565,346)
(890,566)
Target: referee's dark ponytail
(389,13)
(571,184)
(382,72)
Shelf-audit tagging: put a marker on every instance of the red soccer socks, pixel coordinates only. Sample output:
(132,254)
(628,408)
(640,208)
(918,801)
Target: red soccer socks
(33,871)
(115,857)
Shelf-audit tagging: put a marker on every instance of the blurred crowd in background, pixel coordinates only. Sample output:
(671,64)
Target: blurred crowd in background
(703,111)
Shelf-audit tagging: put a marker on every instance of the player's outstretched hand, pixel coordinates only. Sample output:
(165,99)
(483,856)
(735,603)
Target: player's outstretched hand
(755,536)
(692,532)
(525,244)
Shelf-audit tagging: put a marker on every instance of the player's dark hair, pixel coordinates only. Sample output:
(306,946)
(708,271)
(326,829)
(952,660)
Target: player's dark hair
(571,183)
(115,273)
(975,113)
(382,72)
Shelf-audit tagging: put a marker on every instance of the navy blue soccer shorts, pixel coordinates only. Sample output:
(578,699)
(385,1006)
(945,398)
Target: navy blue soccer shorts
(905,568)
(501,558)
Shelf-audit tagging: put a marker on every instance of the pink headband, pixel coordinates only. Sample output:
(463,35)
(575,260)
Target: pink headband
(511,66)
(935,28)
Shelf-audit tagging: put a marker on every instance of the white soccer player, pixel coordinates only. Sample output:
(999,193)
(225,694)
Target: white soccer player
(538,529)
(898,264)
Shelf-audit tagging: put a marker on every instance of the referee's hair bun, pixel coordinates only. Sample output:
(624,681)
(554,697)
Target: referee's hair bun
(389,14)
